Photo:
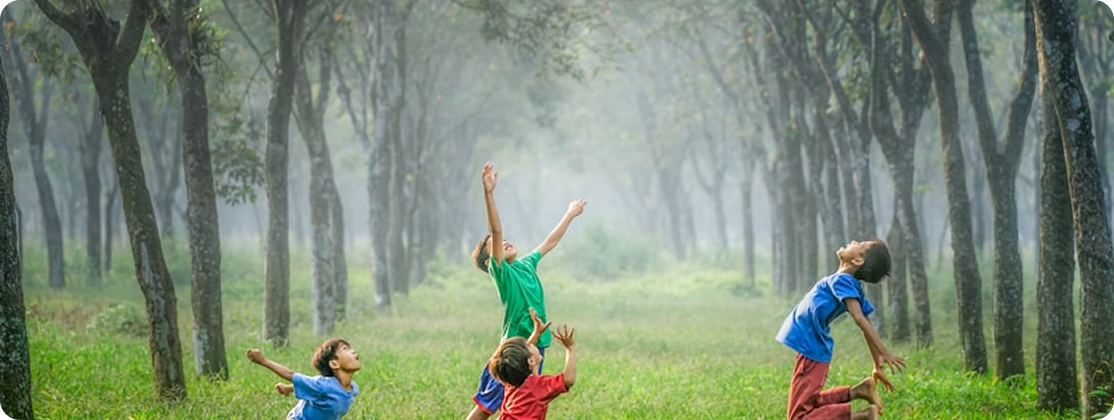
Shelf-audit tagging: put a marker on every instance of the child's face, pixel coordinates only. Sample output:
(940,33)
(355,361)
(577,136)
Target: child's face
(509,251)
(535,358)
(347,359)
(853,251)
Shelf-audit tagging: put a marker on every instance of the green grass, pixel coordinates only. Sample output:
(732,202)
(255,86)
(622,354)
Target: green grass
(678,343)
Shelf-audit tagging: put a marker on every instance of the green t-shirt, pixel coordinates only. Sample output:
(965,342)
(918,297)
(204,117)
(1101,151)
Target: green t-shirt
(520,290)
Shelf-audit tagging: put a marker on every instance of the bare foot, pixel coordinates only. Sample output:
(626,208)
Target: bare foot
(869,413)
(866,390)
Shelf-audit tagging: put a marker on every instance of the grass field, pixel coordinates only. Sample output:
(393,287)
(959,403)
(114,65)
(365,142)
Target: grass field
(678,343)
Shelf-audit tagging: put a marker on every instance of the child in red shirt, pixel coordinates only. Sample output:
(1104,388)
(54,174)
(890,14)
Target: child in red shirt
(527,394)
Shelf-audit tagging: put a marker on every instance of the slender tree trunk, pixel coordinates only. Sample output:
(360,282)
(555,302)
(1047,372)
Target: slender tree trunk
(967,278)
(90,166)
(109,224)
(1002,162)
(748,225)
(276,293)
(1056,27)
(1057,377)
(35,121)
(15,366)
(898,295)
(179,44)
(379,161)
(108,50)
(322,189)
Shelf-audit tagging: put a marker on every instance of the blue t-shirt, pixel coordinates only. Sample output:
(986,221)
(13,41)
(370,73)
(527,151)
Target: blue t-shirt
(320,398)
(808,328)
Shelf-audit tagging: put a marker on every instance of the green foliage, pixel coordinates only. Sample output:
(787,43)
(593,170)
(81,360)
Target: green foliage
(237,164)
(126,319)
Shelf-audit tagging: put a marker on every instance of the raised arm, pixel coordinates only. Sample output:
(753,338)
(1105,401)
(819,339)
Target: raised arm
(495,246)
(539,327)
(563,334)
(283,372)
(878,351)
(576,208)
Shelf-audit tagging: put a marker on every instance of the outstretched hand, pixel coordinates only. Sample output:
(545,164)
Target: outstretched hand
(539,326)
(576,207)
(489,177)
(563,334)
(880,377)
(895,363)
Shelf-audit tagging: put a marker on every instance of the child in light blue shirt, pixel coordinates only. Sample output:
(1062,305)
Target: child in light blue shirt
(324,397)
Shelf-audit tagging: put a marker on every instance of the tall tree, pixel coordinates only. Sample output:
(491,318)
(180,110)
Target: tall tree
(15,366)
(897,72)
(90,145)
(968,282)
(1002,160)
(276,293)
(182,33)
(1056,22)
(35,119)
(1057,378)
(108,49)
(327,248)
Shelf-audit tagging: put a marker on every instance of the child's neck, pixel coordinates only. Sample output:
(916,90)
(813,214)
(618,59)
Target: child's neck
(847,268)
(345,378)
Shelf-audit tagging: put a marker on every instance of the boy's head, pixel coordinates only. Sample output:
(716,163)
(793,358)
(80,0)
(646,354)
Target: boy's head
(333,355)
(482,254)
(514,361)
(871,257)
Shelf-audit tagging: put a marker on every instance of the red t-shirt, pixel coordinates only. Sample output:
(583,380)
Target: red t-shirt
(531,400)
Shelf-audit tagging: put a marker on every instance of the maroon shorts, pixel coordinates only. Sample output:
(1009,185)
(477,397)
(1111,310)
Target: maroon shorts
(808,400)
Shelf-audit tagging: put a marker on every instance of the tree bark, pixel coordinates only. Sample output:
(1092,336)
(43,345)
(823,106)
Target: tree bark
(181,46)
(35,121)
(379,159)
(322,197)
(15,366)
(967,278)
(1002,161)
(1056,28)
(1057,378)
(108,50)
(276,293)
(90,166)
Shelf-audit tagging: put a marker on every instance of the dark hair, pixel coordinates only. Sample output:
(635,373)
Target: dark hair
(511,362)
(481,255)
(325,354)
(876,262)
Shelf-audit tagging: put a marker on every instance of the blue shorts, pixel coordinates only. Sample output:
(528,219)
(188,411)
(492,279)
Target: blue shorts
(489,395)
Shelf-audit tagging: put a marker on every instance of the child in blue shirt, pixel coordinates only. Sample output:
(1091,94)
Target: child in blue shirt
(324,397)
(807,331)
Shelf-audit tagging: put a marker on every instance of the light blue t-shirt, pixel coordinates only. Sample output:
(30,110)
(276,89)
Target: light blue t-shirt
(320,398)
(808,328)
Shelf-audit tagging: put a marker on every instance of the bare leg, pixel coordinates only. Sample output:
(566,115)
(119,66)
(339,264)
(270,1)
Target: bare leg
(869,413)
(478,414)
(866,390)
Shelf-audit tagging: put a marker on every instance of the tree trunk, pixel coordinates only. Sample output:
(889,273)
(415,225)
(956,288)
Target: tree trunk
(276,293)
(109,224)
(897,293)
(34,127)
(90,166)
(967,279)
(322,188)
(179,44)
(748,226)
(1057,378)
(108,50)
(1056,27)
(15,366)
(1002,162)
(379,161)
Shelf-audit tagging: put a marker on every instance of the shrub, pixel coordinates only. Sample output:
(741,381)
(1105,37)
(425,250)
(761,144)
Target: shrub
(127,319)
